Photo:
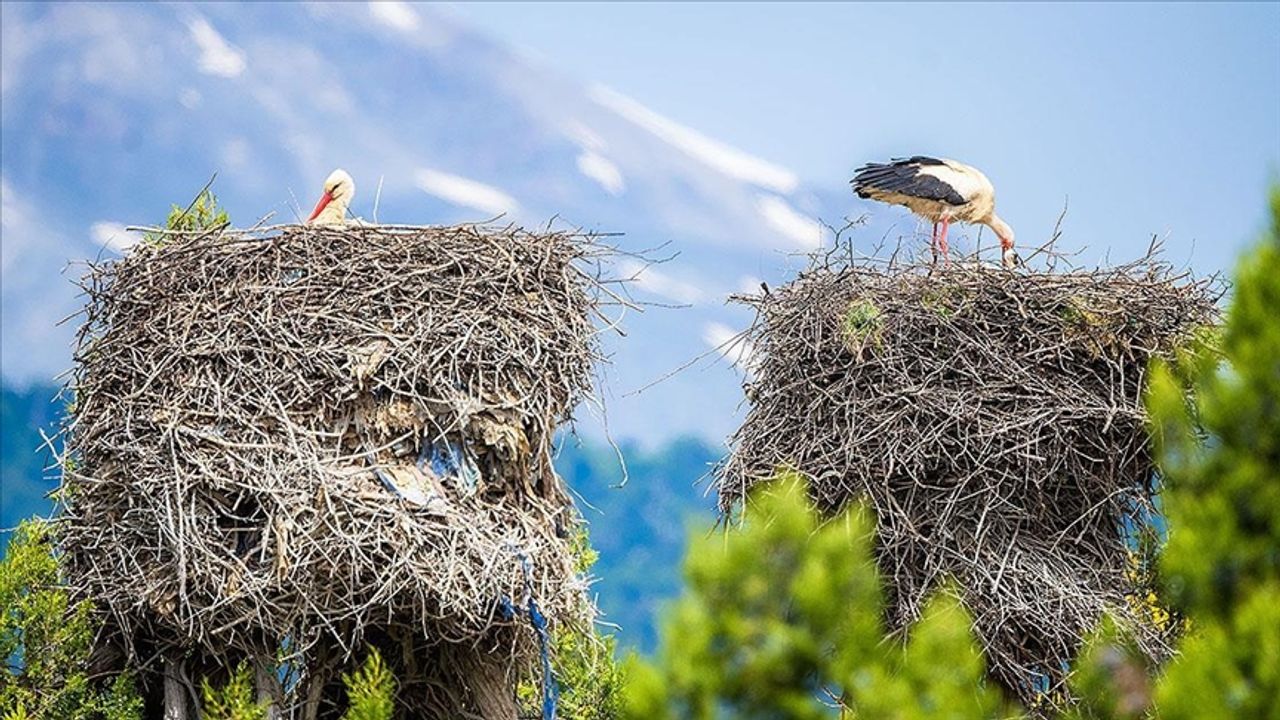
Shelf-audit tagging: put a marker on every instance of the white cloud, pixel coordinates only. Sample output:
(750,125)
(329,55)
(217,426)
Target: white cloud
(465,192)
(189,98)
(236,152)
(728,160)
(13,218)
(112,235)
(730,343)
(217,56)
(34,295)
(587,138)
(603,171)
(395,14)
(656,282)
(17,41)
(749,285)
(779,215)
(113,60)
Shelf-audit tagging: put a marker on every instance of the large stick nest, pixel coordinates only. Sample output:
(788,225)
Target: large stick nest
(993,420)
(245,401)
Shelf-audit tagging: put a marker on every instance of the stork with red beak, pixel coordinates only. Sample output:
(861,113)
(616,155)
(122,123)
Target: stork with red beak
(339,188)
(941,191)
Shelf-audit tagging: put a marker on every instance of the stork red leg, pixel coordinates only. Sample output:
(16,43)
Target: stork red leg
(942,238)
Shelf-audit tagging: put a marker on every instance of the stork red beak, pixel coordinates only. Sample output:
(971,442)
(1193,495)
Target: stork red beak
(325,199)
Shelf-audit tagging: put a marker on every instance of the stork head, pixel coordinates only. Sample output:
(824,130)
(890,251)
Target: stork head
(1008,256)
(339,188)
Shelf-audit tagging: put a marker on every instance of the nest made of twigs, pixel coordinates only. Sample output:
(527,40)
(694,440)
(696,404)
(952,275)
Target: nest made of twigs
(994,421)
(244,400)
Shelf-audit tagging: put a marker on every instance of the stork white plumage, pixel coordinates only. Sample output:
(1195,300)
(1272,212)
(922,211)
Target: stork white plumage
(941,191)
(339,189)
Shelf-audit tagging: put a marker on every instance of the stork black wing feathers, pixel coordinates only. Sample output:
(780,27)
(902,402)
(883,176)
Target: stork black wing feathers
(917,160)
(903,176)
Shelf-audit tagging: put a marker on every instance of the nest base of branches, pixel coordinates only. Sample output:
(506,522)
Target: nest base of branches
(994,421)
(292,442)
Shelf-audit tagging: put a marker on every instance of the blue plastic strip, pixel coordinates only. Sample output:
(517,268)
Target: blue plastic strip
(550,688)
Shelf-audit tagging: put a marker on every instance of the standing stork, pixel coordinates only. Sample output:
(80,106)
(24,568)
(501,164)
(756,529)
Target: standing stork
(941,191)
(339,188)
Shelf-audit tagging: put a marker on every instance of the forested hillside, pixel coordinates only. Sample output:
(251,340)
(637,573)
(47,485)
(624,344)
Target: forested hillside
(23,459)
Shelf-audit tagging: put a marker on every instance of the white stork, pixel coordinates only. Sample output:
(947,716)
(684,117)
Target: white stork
(941,191)
(339,188)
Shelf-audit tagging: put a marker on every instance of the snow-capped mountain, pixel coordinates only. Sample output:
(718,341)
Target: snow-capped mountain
(113,111)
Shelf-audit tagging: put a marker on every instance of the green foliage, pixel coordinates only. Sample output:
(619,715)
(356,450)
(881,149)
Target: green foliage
(45,641)
(782,618)
(863,325)
(233,701)
(1111,679)
(1215,417)
(370,694)
(1222,563)
(370,690)
(202,214)
(590,677)
(944,299)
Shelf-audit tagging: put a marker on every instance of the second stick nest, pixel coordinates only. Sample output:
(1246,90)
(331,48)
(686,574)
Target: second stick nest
(994,420)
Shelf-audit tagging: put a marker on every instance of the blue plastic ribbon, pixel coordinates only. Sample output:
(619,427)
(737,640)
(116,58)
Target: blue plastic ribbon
(550,688)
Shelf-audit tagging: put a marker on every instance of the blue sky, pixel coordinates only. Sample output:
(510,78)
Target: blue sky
(1151,118)
(725,130)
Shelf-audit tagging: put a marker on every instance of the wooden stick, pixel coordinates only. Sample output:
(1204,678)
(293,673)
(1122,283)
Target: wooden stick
(175,692)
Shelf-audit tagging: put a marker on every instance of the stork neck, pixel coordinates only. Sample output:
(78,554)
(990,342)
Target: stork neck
(1002,231)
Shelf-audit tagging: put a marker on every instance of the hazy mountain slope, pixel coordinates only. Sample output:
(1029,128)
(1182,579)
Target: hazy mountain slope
(24,481)
(113,111)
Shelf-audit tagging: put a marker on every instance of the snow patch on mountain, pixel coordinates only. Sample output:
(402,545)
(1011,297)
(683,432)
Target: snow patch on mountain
(659,283)
(190,98)
(603,171)
(801,229)
(483,133)
(466,192)
(749,284)
(731,344)
(728,160)
(587,138)
(13,220)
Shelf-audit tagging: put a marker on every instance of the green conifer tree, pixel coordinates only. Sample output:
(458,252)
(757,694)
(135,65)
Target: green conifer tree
(1216,420)
(783,619)
(45,641)
(233,701)
(370,690)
